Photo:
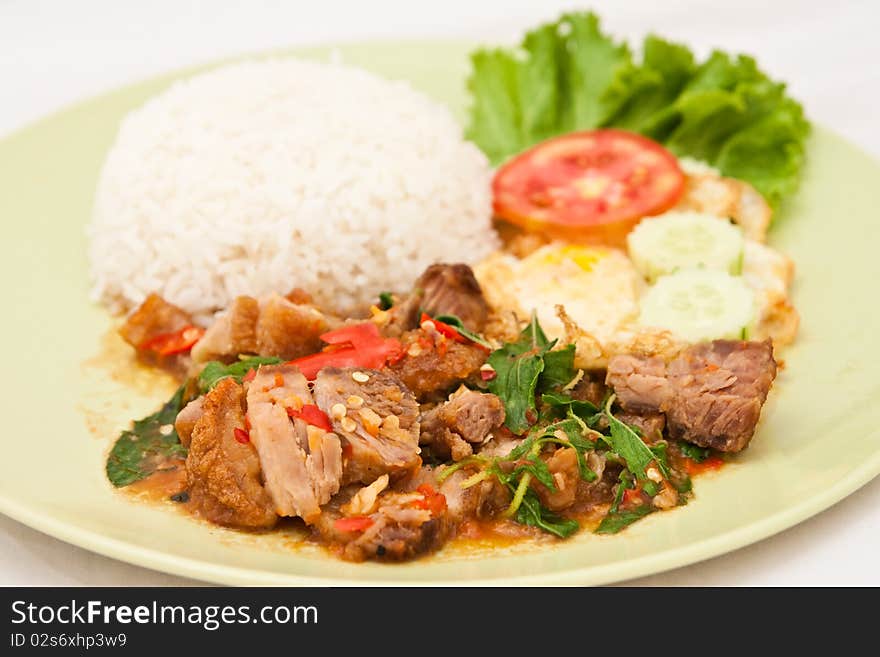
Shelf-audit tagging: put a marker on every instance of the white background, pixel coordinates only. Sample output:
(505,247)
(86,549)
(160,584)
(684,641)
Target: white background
(54,53)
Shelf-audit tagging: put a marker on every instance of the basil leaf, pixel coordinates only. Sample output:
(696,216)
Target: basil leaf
(625,442)
(626,482)
(539,470)
(533,337)
(516,378)
(518,365)
(660,452)
(148,446)
(615,522)
(693,452)
(583,409)
(214,370)
(455,322)
(531,512)
(558,367)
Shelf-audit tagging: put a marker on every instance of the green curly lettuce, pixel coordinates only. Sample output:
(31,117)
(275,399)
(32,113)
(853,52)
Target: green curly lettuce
(569,75)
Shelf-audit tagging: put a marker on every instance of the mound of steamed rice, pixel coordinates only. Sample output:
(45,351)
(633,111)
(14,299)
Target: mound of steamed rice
(268,175)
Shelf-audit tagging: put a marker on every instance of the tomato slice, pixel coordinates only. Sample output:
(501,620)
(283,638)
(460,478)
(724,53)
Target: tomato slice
(595,185)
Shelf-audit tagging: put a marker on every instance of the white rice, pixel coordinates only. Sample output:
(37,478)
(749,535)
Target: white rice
(268,175)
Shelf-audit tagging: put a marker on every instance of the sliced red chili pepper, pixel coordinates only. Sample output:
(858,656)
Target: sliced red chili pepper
(632,496)
(311,414)
(251,373)
(175,342)
(487,374)
(241,436)
(432,500)
(368,349)
(364,333)
(444,329)
(353,524)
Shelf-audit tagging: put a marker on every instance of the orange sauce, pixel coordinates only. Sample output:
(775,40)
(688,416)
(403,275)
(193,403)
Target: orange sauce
(709,465)
(161,485)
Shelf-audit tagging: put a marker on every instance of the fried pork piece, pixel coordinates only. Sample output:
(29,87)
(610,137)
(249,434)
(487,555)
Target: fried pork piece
(154,317)
(302,464)
(395,526)
(377,417)
(186,420)
(223,474)
(433,365)
(482,500)
(650,425)
(711,394)
(590,389)
(453,290)
(563,466)
(443,289)
(467,418)
(273,326)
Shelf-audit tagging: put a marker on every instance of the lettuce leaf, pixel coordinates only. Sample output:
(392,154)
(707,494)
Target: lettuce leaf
(569,75)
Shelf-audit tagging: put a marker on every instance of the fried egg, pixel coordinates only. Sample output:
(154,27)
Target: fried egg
(599,287)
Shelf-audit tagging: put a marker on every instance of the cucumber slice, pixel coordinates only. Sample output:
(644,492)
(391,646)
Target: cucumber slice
(699,304)
(685,240)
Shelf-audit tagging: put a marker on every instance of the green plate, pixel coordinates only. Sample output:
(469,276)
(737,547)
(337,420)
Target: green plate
(818,441)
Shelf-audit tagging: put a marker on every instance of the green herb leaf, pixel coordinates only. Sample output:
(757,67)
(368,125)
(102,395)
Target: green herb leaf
(626,482)
(214,370)
(625,442)
(694,452)
(455,322)
(533,337)
(518,365)
(660,452)
(386,300)
(558,368)
(568,75)
(531,512)
(148,447)
(514,383)
(615,522)
(538,469)
(583,409)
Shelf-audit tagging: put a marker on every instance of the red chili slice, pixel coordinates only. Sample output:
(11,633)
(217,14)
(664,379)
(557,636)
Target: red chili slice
(175,342)
(432,500)
(353,524)
(444,329)
(593,185)
(313,415)
(358,345)
(632,496)
(241,436)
